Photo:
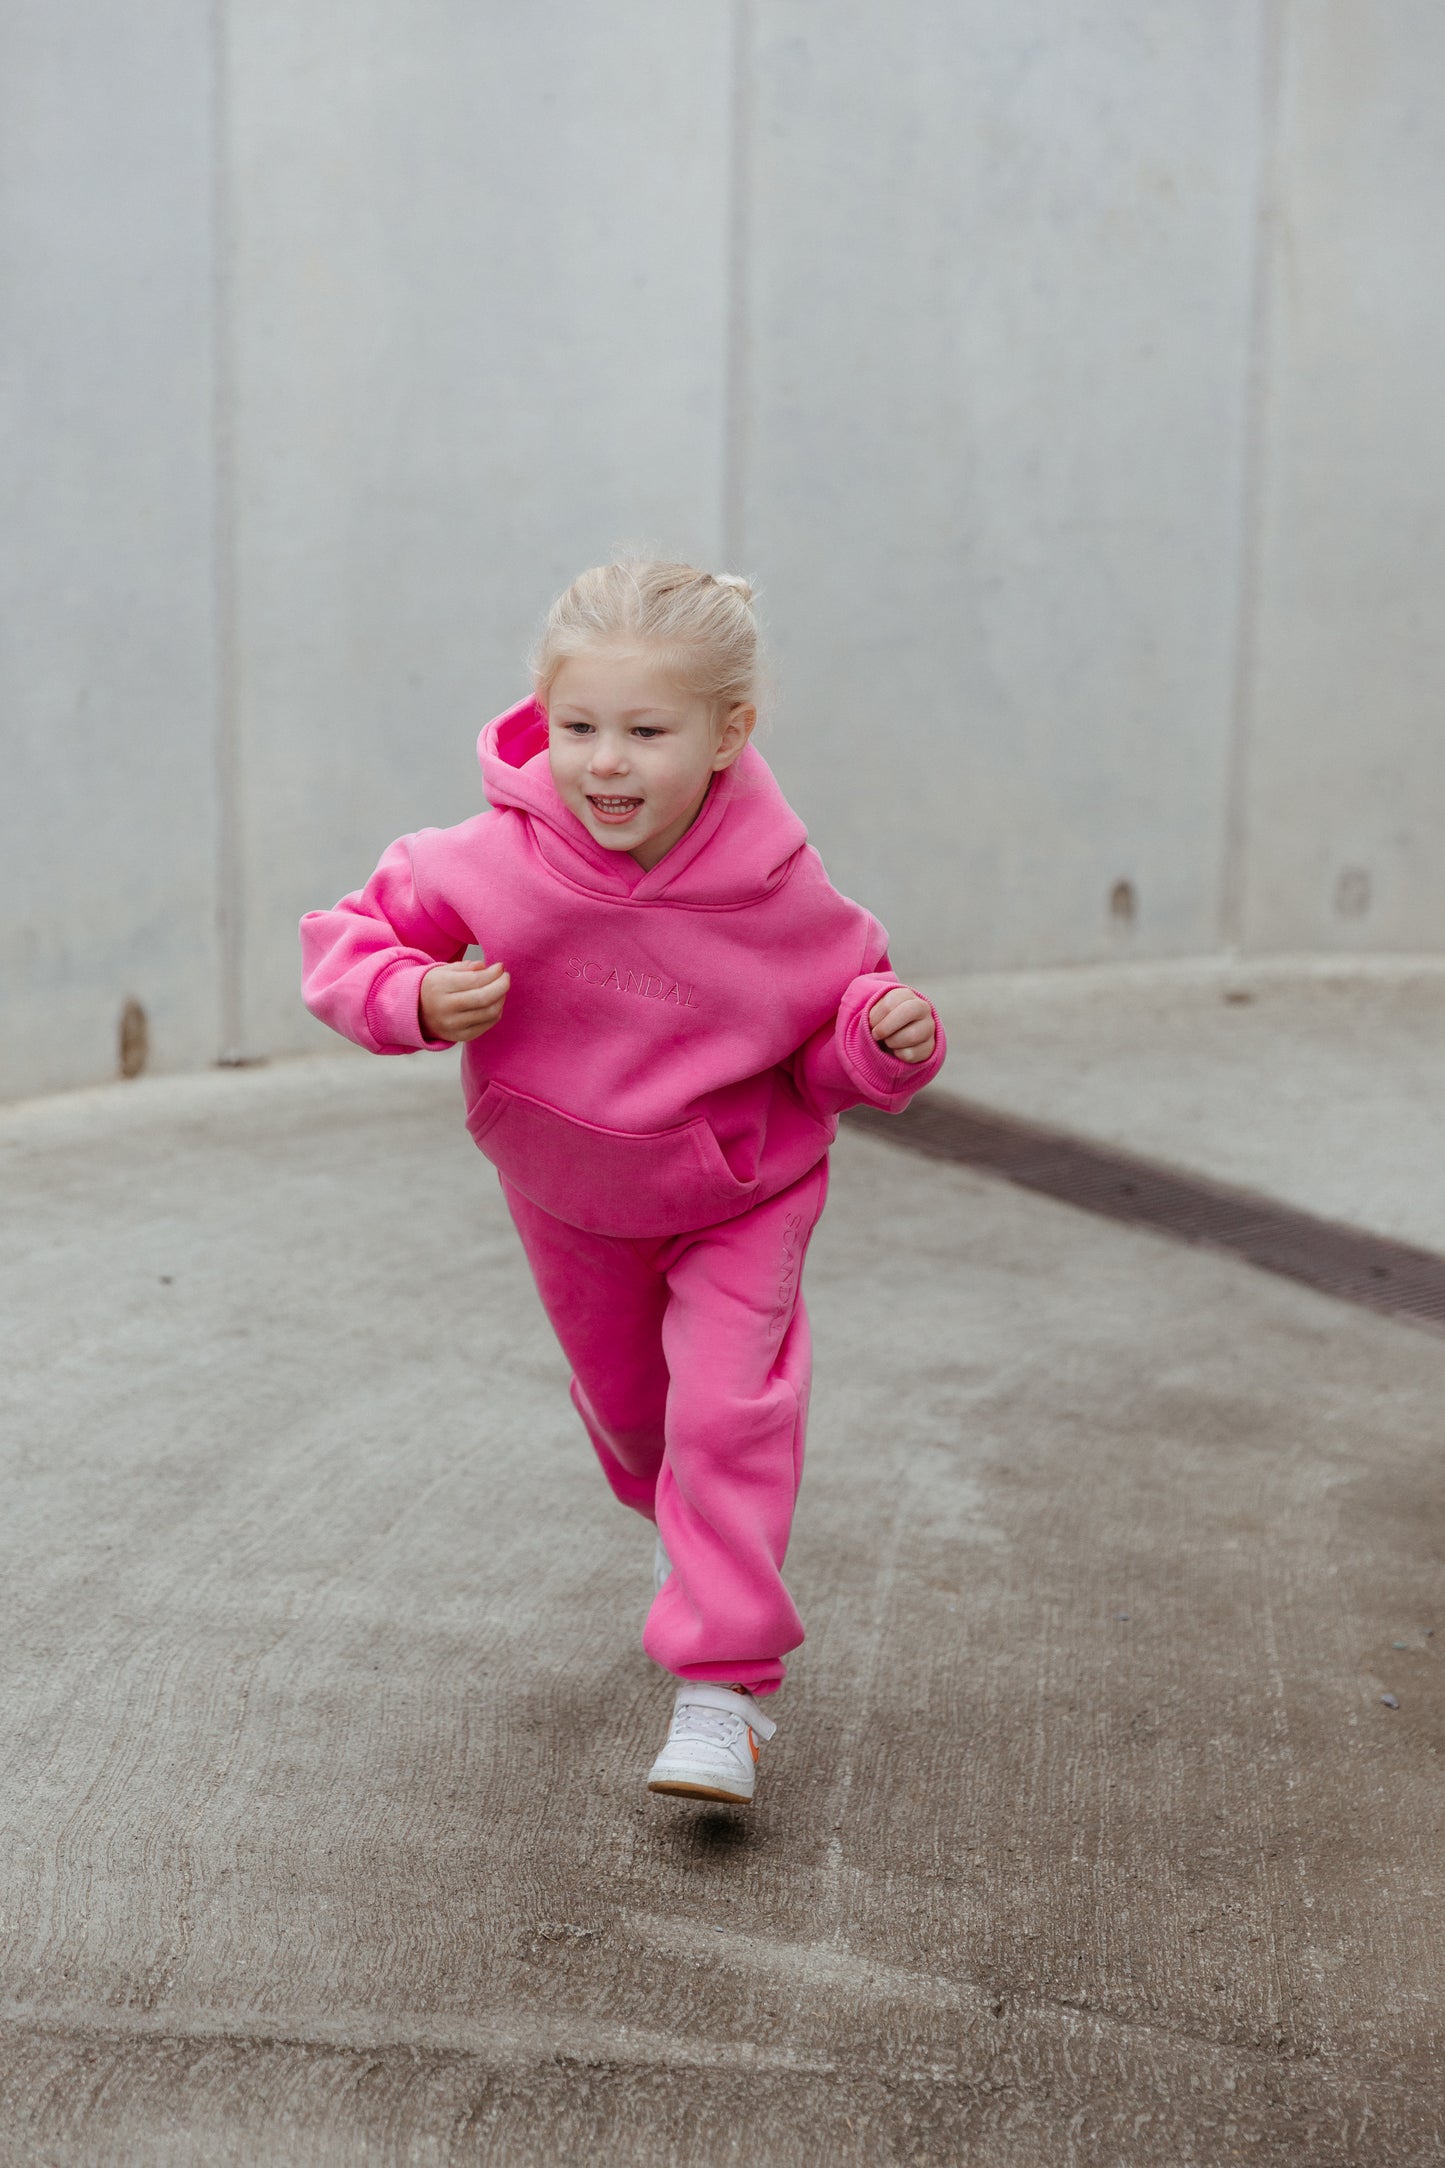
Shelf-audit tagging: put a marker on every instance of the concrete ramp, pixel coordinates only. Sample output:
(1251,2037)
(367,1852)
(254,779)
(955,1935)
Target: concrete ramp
(1103,1824)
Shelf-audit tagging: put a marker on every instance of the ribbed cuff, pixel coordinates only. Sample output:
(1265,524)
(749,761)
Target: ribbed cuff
(393,1008)
(880,1075)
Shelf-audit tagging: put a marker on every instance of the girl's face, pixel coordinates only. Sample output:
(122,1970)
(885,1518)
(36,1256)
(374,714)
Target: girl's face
(632,752)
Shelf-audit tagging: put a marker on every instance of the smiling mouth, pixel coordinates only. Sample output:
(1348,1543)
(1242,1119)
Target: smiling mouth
(613,809)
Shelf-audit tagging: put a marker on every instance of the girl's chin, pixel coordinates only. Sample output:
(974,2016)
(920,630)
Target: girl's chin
(617,835)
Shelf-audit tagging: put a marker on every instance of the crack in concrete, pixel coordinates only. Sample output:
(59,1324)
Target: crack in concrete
(491,2038)
(500,2044)
(826,1965)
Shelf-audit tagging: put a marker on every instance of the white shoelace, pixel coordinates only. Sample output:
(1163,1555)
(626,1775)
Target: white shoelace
(697,1720)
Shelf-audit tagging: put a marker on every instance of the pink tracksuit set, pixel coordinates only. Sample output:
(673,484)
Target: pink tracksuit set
(658,1097)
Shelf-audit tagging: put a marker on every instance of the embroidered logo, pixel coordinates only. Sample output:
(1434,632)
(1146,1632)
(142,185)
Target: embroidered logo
(792,1258)
(652,985)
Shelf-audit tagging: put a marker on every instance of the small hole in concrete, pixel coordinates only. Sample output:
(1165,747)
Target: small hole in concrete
(134,1039)
(1123,903)
(1352,892)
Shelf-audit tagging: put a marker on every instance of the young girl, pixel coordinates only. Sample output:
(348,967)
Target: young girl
(674,1008)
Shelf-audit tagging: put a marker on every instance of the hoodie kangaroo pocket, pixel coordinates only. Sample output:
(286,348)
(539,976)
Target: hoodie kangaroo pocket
(607,1181)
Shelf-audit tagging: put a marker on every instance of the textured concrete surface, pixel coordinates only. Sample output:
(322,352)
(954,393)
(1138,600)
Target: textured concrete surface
(1087,1837)
(1318,1081)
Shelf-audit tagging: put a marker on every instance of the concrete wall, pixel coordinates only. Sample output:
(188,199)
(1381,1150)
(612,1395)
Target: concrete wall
(1342,841)
(108,787)
(1001,290)
(479,340)
(1064,376)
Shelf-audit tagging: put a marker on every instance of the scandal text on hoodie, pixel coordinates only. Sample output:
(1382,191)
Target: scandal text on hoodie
(633,982)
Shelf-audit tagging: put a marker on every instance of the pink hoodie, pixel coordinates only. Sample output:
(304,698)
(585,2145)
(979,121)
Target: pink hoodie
(677,1044)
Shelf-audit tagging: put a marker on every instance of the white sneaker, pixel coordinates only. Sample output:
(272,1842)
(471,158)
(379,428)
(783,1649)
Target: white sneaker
(712,1744)
(661,1566)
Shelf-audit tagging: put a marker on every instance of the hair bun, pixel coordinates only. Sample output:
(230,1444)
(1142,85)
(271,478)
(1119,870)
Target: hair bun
(740,587)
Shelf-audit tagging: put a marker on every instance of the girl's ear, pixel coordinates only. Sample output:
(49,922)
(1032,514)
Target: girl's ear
(733,733)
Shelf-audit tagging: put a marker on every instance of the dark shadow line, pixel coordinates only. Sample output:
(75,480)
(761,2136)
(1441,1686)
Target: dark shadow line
(1372,1271)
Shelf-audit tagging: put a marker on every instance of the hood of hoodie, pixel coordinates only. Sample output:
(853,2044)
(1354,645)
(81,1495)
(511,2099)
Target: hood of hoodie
(741,846)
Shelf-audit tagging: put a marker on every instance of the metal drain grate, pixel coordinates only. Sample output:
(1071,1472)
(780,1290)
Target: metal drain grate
(1357,1267)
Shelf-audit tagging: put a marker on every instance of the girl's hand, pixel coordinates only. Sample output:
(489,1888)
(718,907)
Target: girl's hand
(903,1022)
(460,1001)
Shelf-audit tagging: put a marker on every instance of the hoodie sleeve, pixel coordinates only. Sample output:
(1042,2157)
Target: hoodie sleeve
(843,1065)
(363,963)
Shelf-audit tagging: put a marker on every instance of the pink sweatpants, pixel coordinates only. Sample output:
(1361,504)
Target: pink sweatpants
(691,1364)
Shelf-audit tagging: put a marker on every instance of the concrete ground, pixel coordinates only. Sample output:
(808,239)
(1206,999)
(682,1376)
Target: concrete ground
(1320,1081)
(1087,1836)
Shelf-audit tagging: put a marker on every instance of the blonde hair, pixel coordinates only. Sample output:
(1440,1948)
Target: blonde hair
(701,623)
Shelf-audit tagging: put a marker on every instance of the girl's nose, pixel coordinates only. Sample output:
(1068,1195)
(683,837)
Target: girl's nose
(607,759)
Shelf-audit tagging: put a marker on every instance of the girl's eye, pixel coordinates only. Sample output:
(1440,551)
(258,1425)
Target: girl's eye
(646,730)
(578,730)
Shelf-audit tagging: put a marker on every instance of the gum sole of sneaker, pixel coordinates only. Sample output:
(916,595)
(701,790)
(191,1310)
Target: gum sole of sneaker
(680,1789)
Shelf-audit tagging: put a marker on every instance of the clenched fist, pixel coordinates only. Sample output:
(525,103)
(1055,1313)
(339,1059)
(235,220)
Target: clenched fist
(460,1001)
(903,1022)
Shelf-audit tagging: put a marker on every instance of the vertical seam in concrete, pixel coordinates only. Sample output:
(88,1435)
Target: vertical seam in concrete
(229,895)
(1234,873)
(738,325)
